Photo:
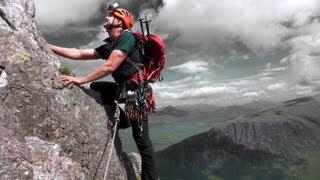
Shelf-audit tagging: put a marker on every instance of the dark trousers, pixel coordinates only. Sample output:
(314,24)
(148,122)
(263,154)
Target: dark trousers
(108,91)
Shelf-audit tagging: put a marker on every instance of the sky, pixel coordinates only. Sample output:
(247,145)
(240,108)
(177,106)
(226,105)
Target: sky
(262,25)
(60,12)
(284,35)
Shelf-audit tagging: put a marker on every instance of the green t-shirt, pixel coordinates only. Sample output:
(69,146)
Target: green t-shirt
(126,43)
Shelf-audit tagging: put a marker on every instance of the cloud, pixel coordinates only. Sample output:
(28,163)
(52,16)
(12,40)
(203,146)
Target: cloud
(63,22)
(191,67)
(234,32)
(61,12)
(260,25)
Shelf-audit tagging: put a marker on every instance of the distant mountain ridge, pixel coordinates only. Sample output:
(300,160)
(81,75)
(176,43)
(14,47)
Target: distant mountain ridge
(289,127)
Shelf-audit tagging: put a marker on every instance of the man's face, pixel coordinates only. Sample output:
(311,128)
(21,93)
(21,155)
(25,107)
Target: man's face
(110,21)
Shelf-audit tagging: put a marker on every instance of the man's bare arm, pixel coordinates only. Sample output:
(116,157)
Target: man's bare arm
(108,67)
(76,54)
(114,61)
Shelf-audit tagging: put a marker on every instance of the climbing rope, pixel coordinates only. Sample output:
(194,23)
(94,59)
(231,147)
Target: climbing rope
(117,120)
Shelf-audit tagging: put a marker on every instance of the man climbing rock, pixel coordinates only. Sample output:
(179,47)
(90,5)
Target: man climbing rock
(120,53)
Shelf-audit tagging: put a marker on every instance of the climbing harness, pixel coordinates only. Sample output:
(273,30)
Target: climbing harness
(117,120)
(136,105)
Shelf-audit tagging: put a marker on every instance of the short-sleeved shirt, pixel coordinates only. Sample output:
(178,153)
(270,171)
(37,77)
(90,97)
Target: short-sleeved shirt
(126,43)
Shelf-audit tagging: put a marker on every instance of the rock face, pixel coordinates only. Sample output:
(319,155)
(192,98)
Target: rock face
(48,131)
(288,128)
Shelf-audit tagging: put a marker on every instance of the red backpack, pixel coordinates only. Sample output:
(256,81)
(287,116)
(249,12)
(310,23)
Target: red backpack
(153,51)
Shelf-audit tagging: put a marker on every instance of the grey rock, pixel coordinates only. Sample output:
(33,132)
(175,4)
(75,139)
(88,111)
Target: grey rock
(3,79)
(48,130)
(30,8)
(49,164)
(136,161)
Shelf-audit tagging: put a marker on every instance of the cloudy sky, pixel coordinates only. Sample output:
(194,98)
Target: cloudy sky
(262,26)
(60,12)
(210,40)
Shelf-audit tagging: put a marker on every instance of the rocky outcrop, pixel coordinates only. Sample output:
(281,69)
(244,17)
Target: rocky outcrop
(288,128)
(136,161)
(47,130)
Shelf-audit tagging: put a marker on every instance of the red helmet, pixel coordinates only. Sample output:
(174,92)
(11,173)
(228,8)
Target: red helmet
(125,16)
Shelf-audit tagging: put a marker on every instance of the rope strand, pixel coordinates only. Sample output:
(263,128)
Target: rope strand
(117,119)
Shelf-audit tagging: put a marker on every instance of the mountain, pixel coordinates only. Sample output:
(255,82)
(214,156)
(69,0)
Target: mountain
(277,136)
